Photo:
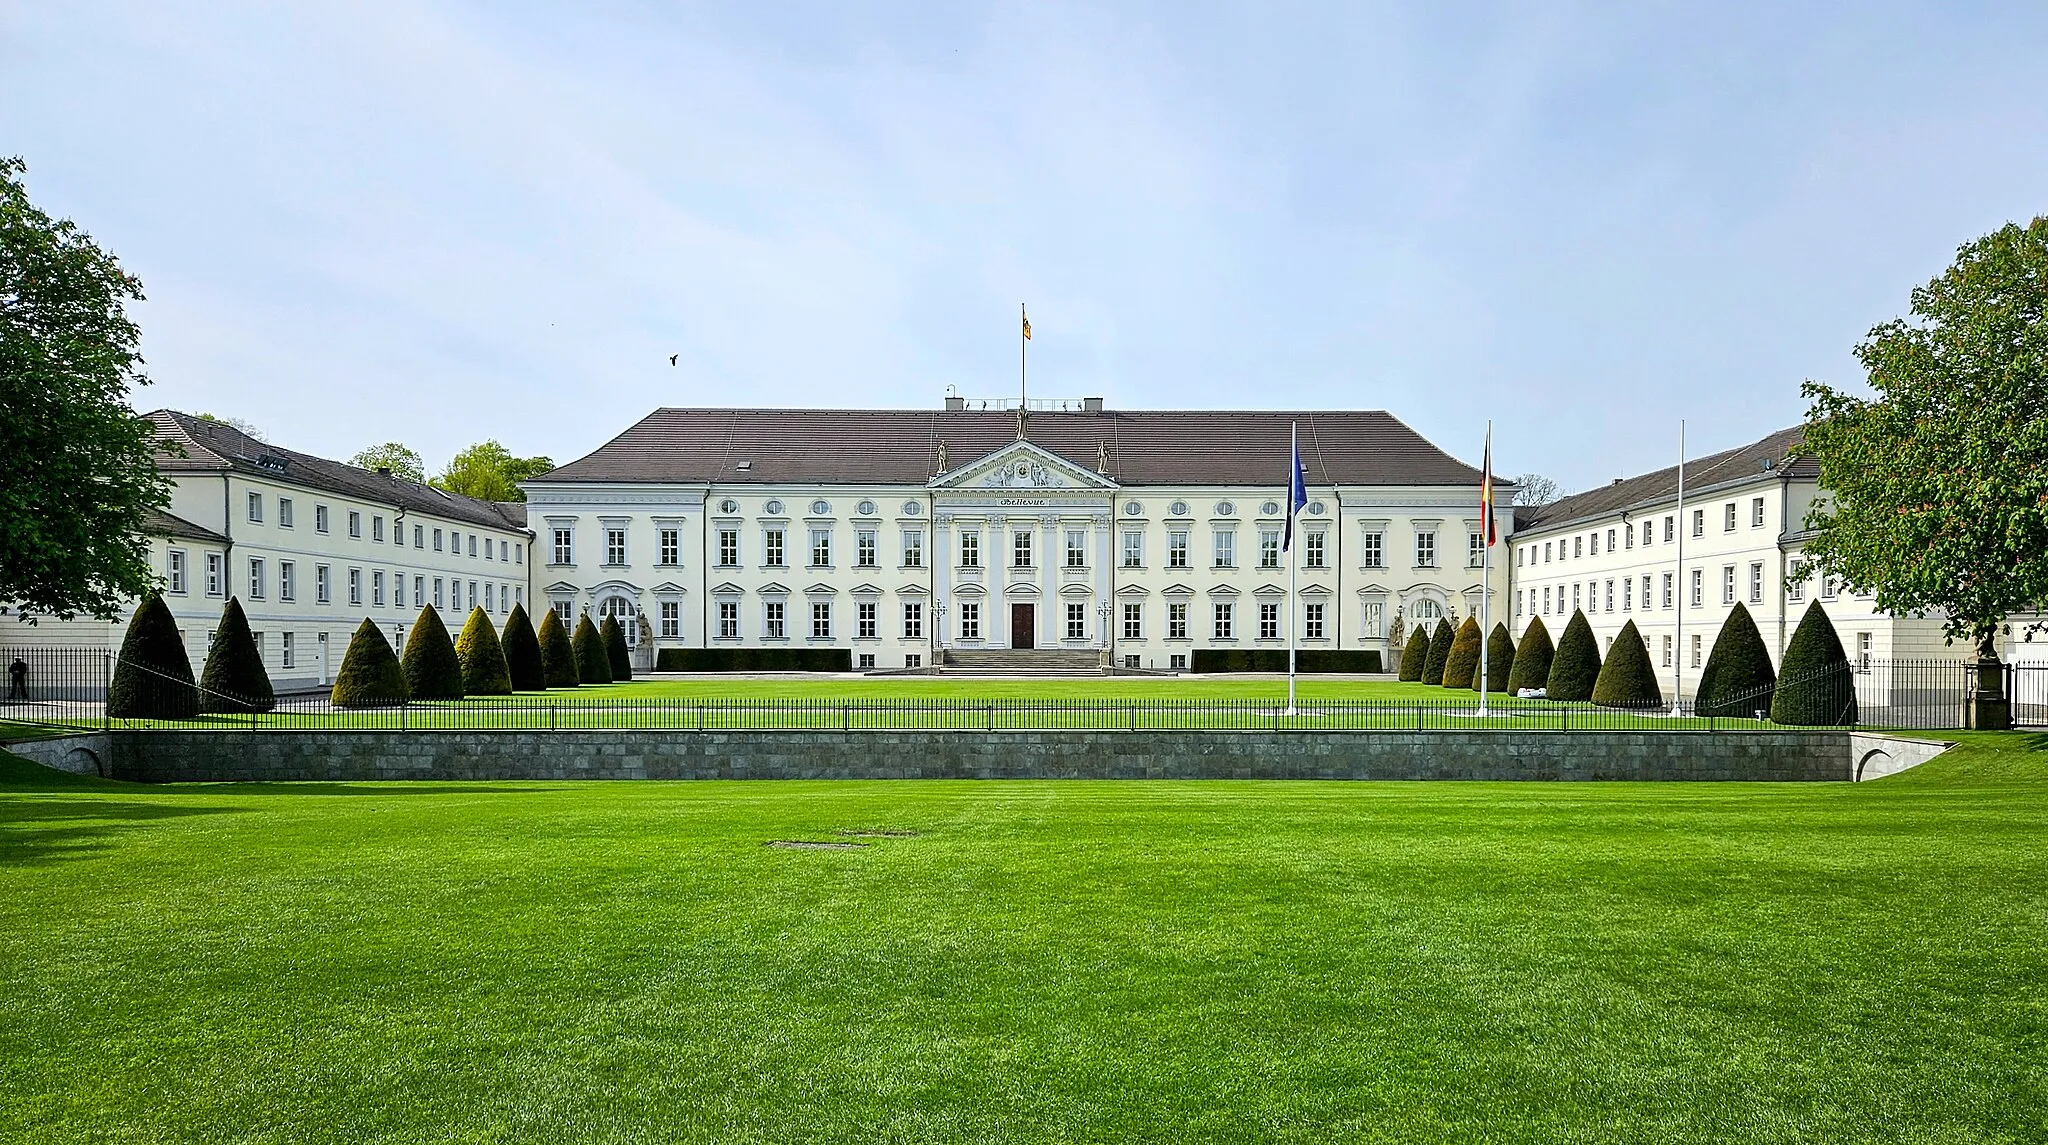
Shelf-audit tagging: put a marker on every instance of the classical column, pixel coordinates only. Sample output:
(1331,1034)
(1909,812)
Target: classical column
(1105,553)
(942,579)
(1050,626)
(995,569)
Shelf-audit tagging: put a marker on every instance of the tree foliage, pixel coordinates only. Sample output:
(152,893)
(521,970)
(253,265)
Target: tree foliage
(593,663)
(616,651)
(488,470)
(370,674)
(1415,657)
(78,473)
(1738,678)
(1535,489)
(1938,486)
(153,677)
(401,461)
(557,652)
(234,679)
(1815,685)
(1500,659)
(432,670)
(234,423)
(1461,664)
(484,671)
(1626,680)
(1532,658)
(1440,639)
(1576,666)
(522,652)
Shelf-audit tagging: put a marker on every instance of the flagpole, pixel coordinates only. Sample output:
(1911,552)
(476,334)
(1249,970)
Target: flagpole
(1485,567)
(1022,340)
(1293,456)
(1678,581)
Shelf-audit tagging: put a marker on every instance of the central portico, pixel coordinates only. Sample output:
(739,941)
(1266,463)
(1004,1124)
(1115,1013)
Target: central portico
(1023,541)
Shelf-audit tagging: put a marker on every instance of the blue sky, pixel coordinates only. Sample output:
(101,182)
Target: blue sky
(440,223)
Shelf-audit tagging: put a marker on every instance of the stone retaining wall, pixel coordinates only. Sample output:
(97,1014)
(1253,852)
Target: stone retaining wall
(341,755)
(83,754)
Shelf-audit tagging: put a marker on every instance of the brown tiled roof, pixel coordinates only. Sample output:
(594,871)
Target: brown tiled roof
(1146,447)
(157,523)
(1732,465)
(210,446)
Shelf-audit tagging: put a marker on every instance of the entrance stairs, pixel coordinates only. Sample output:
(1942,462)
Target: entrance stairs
(1054,662)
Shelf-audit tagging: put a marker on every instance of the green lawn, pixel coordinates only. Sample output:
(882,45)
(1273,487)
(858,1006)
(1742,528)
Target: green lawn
(1041,962)
(1140,688)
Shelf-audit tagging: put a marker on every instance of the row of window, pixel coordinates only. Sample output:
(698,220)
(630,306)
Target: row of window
(1596,596)
(258,586)
(775,620)
(453,539)
(1624,535)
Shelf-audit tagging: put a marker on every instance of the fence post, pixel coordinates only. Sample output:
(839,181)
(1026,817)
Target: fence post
(991,715)
(106,689)
(1418,717)
(1134,717)
(845,717)
(1564,719)
(551,717)
(403,705)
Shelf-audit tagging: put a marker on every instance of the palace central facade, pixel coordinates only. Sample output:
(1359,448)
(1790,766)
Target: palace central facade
(903,533)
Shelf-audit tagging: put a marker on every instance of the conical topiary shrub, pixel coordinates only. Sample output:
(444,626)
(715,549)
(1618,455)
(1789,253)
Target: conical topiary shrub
(233,679)
(153,678)
(522,652)
(593,663)
(1576,667)
(484,672)
(616,653)
(1439,652)
(1461,666)
(1415,657)
(432,671)
(1500,659)
(557,652)
(370,674)
(1627,680)
(1738,678)
(1532,659)
(1815,684)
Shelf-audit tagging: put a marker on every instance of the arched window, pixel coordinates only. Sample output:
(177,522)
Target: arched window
(621,607)
(1426,609)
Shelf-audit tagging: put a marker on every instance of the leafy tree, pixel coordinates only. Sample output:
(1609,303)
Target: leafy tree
(370,674)
(593,663)
(401,461)
(616,652)
(557,652)
(488,470)
(1500,659)
(432,670)
(484,671)
(1938,487)
(1815,685)
(522,652)
(78,472)
(1738,678)
(1532,659)
(234,679)
(234,423)
(1626,680)
(1535,489)
(1576,667)
(1415,657)
(1439,652)
(1461,664)
(153,678)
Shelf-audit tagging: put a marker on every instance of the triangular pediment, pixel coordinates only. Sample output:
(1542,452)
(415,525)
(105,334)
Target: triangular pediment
(1021,465)
(727,589)
(669,587)
(561,586)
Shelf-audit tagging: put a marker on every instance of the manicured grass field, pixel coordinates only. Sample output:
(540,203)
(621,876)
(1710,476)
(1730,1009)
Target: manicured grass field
(1038,962)
(1140,688)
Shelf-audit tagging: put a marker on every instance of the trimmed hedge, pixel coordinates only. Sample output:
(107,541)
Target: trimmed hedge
(1461,665)
(153,678)
(754,660)
(370,674)
(615,650)
(484,672)
(522,652)
(233,679)
(557,652)
(1816,687)
(1415,657)
(1500,659)
(1532,658)
(432,671)
(1439,652)
(1627,680)
(593,663)
(1738,679)
(1576,667)
(1306,660)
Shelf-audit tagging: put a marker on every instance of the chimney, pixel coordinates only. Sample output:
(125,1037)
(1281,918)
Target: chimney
(955,405)
(1091,405)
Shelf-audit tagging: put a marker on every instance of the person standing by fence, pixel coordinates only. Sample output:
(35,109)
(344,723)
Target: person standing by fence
(17,679)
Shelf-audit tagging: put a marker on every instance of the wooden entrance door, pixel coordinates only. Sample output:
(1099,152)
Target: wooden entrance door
(1023,631)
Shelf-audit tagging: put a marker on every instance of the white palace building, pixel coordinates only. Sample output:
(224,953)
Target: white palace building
(1139,536)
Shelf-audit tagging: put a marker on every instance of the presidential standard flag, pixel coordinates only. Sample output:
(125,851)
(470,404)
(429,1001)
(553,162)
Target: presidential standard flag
(1486,488)
(1027,323)
(1297,489)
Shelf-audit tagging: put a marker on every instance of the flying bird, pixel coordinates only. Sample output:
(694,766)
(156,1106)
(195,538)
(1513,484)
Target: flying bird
(672,358)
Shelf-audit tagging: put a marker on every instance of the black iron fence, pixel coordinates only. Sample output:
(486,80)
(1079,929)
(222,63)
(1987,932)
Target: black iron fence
(2027,684)
(55,673)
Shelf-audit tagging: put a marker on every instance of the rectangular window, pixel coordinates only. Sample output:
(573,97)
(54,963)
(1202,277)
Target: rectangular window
(1756,513)
(565,546)
(377,588)
(615,546)
(772,617)
(419,536)
(1578,547)
(1546,552)
(1699,587)
(1727,584)
(284,512)
(728,548)
(214,573)
(1628,584)
(472,594)
(287,581)
(439,598)
(821,620)
(256,508)
(518,552)
(970,548)
(355,586)
(1667,652)
(1425,550)
(1695,641)
(1312,621)
(174,569)
(1313,550)
(1176,622)
(1177,548)
(1646,592)
(1475,550)
(1863,651)
(1756,582)
(1607,597)
(1077,621)
(398,588)
(1133,550)
(1699,522)
(319,518)
(1518,601)
(728,620)
(290,653)
(1226,549)
(913,660)
(864,622)
(1269,621)
(1077,548)
(864,549)
(1593,545)
(671,620)
(1177,662)
(437,540)
(377,529)
(1610,540)
(913,620)
(1134,621)
(821,548)
(323,591)
(1668,527)
(1546,600)
(487,549)
(1795,581)
(1375,614)
(913,548)
(1648,536)
(256,578)
(1830,587)
(771,548)
(671,546)
(419,591)
(1667,590)
(1020,549)
(1575,596)
(1373,552)
(970,622)
(1628,537)
(355,524)
(1269,548)
(1728,517)
(472,544)
(1220,623)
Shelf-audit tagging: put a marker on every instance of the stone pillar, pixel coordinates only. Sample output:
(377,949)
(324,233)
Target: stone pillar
(1051,621)
(1105,556)
(995,565)
(942,580)
(1987,707)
